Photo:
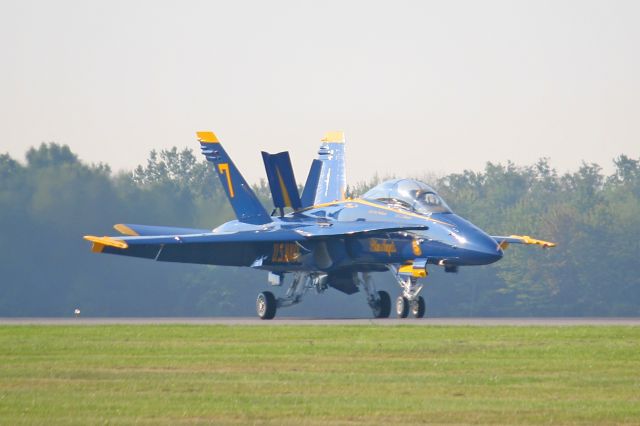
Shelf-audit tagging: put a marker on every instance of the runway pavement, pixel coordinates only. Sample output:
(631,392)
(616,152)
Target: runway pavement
(87,321)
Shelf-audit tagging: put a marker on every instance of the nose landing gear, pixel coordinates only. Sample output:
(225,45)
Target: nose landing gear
(418,307)
(410,299)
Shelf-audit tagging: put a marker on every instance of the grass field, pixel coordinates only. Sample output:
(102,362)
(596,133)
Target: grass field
(319,374)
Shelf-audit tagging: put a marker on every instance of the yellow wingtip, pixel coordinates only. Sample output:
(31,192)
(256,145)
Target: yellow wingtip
(106,241)
(207,137)
(125,230)
(528,240)
(333,136)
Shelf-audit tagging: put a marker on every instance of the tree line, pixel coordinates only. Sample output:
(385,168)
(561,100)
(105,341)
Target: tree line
(51,200)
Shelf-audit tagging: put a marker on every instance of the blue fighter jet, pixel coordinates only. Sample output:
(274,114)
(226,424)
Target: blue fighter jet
(323,239)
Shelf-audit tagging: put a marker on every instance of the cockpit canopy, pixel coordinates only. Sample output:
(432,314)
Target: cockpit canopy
(408,194)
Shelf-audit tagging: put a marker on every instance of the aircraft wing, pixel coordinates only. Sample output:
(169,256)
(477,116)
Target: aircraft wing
(230,248)
(144,230)
(520,239)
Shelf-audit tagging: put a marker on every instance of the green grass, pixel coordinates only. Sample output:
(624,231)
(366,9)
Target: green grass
(319,375)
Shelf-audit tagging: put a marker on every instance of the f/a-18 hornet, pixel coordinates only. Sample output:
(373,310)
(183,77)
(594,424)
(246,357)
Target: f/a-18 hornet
(325,239)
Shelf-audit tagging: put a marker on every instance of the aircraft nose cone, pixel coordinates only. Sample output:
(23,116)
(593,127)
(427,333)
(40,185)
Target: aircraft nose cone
(478,248)
(487,250)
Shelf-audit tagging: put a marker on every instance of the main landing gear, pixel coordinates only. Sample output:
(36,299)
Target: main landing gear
(410,299)
(267,304)
(379,301)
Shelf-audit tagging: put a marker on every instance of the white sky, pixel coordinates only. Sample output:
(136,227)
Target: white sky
(418,86)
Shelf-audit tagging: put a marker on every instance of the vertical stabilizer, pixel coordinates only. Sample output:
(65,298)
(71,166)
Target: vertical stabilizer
(311,185)
(282,181)
(242,198)
(332,183)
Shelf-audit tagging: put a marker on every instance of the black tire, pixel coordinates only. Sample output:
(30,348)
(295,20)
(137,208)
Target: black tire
(402,307)
(266,305)
(418,307)
(383,307)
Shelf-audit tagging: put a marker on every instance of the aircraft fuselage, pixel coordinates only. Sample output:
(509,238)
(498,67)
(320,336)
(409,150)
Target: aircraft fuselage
(449,240)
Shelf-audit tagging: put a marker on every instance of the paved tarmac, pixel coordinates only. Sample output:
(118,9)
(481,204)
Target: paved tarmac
(325,322)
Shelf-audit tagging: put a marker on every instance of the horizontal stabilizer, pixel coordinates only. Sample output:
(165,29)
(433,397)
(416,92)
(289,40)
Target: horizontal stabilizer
(281,180)
(311,186)
(521,239)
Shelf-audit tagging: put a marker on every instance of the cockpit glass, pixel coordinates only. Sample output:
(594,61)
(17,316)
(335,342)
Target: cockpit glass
(410,195)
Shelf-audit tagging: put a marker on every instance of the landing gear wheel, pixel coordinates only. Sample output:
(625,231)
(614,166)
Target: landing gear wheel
(383,306)
(266,305)
(418,307)
(402,307)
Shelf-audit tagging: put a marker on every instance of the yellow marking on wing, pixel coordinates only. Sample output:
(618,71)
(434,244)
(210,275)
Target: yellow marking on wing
(334,136)
(528,240)
(207,137)
(223,168)
(106,241)
(125,230)
(283,188)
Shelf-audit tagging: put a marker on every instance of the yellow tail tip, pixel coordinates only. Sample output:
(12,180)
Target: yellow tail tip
(334,136)
(208,137)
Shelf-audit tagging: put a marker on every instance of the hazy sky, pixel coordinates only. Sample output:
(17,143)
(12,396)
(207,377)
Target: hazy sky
(418,86)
